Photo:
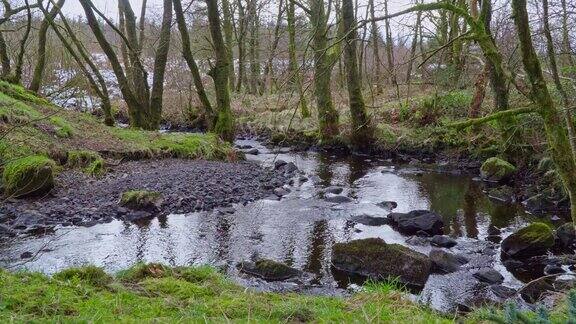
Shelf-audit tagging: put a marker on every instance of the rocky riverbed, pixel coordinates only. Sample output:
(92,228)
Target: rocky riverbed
(184,186)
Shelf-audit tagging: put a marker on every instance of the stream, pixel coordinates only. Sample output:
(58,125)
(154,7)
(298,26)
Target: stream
(300,229)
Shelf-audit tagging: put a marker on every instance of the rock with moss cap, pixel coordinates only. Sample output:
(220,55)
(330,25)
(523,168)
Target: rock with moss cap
(268,270)
(374,259)
(141,200)
(496,169)
(532,240)
(29,176)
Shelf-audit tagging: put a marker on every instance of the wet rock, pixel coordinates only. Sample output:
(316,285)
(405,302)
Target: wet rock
(418,241)
(496,169)
(551,269)
(536,290)
(566,236)
(333,190)
(388,205)
(502,291)
(374,259)
(290,167)
(143,200)
(268,270)
(26,255)
(563,283)
(494,238)
(281,192)
(493,230)
(6,231)
(252,151)
(411,223)
(446,262)
(489,276)
(443,241)
(534,239)
(279,163)
(538,204)
(302,179)
(370,220)
(338,199)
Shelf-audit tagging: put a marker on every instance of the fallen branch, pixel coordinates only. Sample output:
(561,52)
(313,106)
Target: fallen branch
(485,119)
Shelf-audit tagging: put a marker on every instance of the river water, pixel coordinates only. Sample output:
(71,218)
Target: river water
(298,230)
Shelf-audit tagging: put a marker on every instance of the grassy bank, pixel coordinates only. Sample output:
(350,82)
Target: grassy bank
(32,126)
(155,293)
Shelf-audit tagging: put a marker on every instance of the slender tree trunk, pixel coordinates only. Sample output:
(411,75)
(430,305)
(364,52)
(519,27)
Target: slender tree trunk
(558,142)
(17,77)
(240,36)
(361,136)
(390,52)
(294,73)
(4,58)
(479,93)
(142,26)
(254,51)
(228,37)
(269,65)
(375,48)
(188,56)
(41,51)
(160,61)
(413,49)
(556,77)
(123,47)
(323,64)
(567,47)
(219,73)
(79,54)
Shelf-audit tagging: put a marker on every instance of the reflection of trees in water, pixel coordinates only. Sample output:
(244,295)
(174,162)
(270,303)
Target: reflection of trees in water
(324,169)
(358,167)
(317,248)
(470,207)
(222,236)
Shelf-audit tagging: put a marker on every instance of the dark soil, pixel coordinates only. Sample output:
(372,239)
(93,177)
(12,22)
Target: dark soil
(186,186)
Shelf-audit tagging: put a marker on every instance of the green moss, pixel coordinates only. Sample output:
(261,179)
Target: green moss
(168,295)
(21,94)
(497,169)
(63,128)
(91,275)
(96,168)
(534,239)
(81,158)
(537,232)
(140,199)
(29,175)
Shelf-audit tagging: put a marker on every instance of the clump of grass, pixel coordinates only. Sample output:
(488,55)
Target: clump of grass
(29,175)
(91,275)
(96,168)
(142,271)
(63,128)
(20,93)
(81,158)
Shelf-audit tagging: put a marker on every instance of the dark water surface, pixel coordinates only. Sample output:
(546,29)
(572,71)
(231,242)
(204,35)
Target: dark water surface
(299,230)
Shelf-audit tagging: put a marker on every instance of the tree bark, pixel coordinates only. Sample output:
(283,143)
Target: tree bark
(375,48)
(228,30)
(240,36)
(41,51)
(558,142)
(219,73)
(4,58)
(413,47)
(17,77)
(324,59)
(254,50)
(269,65)
(294,74)
(209,116)
(390,52)
(361,136)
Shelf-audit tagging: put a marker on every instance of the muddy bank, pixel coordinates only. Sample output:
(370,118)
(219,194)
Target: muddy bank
(185,186)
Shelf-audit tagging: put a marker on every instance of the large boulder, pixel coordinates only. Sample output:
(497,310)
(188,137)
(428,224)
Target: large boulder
(374,259)
(566,236)
(29,176)
(532,240)
(496,169)
(268,270)
(418,221)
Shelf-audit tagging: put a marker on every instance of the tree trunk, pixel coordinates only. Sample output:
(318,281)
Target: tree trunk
(413,49)
(323,63)
(17,77)
(558,142)
(160,61)
(361,136)
(269,65)
(479,93)
(375,48)
(228,30)
(209,116)
(240,36)
(4,58)
(254,51)
(219,73)
(294,74)
(390,52)
(567,47)
(41,51)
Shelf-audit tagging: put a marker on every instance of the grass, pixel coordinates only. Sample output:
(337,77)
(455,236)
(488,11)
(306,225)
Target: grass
(155,293)
(31,126)
(27,175)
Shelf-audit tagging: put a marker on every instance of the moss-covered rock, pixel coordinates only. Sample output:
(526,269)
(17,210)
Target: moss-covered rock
(32,175)
(532,240)
(374,259)
(268,270)
(496,169)
(89,161)
(141,200)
